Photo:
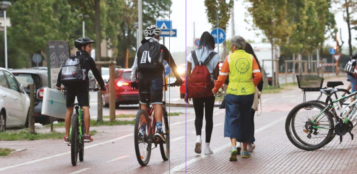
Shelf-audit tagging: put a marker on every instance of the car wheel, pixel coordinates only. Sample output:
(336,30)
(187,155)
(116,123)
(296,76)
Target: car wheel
(2,122)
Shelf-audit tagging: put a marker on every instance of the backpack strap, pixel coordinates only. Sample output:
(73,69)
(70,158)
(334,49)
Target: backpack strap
(194,58)
(209,58)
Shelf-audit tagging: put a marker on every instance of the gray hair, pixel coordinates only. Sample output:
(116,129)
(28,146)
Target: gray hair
(239,42)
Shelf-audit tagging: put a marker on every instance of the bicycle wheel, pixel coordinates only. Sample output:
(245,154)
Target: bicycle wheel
(165,147)
(74,140)
(81,149)
(142,139)
(337,95)
(303,132)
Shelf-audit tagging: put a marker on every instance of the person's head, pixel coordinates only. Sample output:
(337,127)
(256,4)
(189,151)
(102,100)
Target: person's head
(84,44)
(237,43)
(249,49)
(207,41)
(153,31)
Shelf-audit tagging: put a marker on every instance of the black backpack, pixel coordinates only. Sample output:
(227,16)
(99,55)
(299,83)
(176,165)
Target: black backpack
(150,57)
(73,71)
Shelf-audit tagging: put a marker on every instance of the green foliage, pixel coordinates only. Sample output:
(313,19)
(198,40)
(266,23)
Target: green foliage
(26,135)
(222,8)
(5,151)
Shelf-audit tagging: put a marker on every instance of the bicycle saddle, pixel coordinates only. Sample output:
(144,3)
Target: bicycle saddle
(333,84)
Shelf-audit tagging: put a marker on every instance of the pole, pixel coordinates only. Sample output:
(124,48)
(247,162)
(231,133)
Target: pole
(217,36)
(233,27)
(32,107)
(84,27)
(112,91)
(5,33)
(318,62)
(140,23)
(194,32)
(127,59)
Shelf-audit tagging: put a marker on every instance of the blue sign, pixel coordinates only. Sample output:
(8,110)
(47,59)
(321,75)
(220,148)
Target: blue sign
(167,68)
(332,51)
(164,24)
(168,33)
(197,42)
(220,34)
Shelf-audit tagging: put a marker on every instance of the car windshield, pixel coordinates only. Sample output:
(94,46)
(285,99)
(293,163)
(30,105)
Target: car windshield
(126,75)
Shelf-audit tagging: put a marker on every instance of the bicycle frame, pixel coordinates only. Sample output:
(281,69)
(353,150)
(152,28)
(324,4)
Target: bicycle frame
(79,112)
(345,113)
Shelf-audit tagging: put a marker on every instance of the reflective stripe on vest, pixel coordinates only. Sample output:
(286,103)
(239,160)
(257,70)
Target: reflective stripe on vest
(240,73)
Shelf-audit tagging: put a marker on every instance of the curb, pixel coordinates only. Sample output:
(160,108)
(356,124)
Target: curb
(186,105)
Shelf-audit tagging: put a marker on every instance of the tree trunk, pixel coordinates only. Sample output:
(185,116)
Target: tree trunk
(349,27)
(272,63)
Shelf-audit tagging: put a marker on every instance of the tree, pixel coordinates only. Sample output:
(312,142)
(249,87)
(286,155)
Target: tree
(270,17)
(219,9)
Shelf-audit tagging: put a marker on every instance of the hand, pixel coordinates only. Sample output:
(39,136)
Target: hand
(214,93)
(59,88)
(186,99)
(134,85)
(178,82)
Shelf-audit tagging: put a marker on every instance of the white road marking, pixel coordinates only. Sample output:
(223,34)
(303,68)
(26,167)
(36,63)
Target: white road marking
(61,154)
(80,171)
(178,138)
(217,124)
(181,167)
(288,96)
(116,159)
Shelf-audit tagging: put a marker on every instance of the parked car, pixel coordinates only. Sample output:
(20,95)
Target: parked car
(124,94)
(39,78)
(14,102)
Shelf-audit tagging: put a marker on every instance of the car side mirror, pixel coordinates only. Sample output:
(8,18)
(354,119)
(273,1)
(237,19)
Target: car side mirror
(22,88)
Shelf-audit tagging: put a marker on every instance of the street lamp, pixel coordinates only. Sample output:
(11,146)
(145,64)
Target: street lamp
(4,5)
(83,23)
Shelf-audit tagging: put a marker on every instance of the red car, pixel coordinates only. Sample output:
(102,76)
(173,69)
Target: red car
(124,94)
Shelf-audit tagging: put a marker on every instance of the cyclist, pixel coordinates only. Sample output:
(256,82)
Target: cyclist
(150,74)
(81,89)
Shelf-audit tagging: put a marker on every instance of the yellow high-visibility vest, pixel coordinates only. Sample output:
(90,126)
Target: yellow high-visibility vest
(240,73)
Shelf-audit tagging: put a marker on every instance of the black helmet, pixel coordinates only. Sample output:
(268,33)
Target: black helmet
(82,41)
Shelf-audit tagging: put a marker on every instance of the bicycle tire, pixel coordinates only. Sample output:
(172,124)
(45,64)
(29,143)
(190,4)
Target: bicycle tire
(74,140)
(81,149)
(340,91)
(165,147)
(142,114)
(292,134)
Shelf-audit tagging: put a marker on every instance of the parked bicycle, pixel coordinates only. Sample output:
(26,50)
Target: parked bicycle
(311,125)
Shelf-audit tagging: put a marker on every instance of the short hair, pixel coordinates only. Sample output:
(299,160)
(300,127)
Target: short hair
(239,42)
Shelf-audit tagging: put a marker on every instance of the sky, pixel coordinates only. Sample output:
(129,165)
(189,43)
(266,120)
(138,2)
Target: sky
(196,12)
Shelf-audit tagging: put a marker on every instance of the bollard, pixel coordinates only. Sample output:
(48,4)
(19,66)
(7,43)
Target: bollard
(31,111)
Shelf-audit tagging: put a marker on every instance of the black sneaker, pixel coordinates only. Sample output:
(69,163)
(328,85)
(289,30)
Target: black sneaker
(160,135)
(143,138)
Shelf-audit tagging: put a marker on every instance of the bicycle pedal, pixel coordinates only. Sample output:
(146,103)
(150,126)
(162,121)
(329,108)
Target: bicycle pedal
(351,135)
(340,139)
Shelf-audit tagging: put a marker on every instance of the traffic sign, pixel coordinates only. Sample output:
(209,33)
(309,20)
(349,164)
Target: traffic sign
(332,51)
(168,33)
(217,32)
(337,57)
(164,24)
(197,42)
(37,58)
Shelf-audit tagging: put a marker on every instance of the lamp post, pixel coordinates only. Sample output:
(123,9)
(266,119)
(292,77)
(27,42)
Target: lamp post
(83,23)
(4,5)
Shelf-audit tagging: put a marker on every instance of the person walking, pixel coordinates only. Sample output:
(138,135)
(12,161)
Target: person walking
(203,56)
(244,76)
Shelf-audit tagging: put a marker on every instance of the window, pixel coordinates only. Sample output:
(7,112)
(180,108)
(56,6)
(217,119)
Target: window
(126,75)
(26,79)
(12,81)
(3,81)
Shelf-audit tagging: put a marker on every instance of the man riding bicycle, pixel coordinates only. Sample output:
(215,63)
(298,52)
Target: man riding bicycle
(148,63)
(81,88)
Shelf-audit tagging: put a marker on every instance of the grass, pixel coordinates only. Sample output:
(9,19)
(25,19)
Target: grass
(25,135)
(275,90)
(5,151)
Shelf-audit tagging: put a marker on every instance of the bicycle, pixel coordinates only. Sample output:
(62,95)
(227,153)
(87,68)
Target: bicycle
(143,140)
(76,139)
(327,121)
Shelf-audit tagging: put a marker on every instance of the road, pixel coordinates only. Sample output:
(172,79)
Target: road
(113,148)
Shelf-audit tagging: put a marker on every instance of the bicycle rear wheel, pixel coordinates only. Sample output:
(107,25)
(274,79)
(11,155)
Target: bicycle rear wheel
(337,95)
(81,149)
(142,139)
(165,147)
(74,140)
(305,133)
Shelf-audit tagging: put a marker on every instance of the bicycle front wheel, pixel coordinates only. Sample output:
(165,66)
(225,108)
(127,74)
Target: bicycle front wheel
(81,149)
(308,128)
(142,138)
(165,147)
(74,140)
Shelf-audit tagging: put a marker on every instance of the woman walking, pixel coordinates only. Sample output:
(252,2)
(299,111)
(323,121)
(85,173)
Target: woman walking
(205,56)
(244,75)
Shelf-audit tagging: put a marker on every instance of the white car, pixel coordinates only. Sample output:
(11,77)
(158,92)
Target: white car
(14,102)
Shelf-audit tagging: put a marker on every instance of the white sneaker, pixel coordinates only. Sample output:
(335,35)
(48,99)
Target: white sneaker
(250,147)
(208,151)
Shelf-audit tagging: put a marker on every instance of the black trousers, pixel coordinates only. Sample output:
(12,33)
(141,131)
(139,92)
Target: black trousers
(204,106)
